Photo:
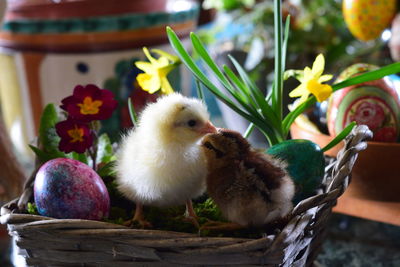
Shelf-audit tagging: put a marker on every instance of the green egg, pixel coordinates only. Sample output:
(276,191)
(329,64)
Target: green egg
(306,165)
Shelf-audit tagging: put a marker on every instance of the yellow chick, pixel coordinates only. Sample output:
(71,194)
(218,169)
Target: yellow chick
(160,162)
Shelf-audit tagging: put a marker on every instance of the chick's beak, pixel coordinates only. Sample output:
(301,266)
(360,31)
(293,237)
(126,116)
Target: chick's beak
(207,128)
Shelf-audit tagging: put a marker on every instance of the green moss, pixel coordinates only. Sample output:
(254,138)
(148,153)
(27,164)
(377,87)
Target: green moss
(32,209)
(173,218)
(207,210)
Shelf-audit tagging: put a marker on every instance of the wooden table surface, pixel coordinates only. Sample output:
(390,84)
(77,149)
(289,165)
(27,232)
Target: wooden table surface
(380,211)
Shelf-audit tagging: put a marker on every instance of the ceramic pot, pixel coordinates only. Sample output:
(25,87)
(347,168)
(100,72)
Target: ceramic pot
(48,47)
(375,175)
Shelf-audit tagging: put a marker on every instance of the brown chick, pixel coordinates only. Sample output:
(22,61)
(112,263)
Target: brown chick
(249,187)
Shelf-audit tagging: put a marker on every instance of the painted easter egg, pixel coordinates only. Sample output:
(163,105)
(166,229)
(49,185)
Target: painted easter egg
(375,104)
(306,165)
(68,189)
(366,19)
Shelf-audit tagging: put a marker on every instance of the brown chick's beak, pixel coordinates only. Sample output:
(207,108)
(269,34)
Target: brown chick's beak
(207,128)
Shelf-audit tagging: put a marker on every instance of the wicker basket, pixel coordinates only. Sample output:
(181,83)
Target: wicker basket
(70,242)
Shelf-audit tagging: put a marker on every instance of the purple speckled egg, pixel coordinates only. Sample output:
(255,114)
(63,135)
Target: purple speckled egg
(68,189)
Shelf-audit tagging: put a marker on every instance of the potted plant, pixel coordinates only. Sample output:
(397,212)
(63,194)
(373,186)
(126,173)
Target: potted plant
(244,29)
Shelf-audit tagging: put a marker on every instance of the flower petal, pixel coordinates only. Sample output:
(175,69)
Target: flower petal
(325,78)
(67,102)
(145,66)
(324,93)
(166,86)
(148,55)
(303,98)
(67,142)
(307,74)
(321,91)
(169,56)
(149,83)
(89,103)
(318,66)
(80,92)
(164,71)
(162,62)
(299,91)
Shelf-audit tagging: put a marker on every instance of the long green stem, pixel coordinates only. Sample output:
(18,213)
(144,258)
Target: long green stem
(277,96)
(200,93)
(92,151)
(340,136)
(132,112)
(249,130)
(285,43)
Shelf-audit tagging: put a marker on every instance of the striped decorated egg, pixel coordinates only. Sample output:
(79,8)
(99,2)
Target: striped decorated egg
(366,19)
(375,104)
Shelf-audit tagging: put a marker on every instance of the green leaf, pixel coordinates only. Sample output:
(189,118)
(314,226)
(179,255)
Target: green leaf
(79,157)
(188,61)
(44,156)
(203,54)
(199,90)
(48,137)
(132,113)
(285,43)
(200,49)
(268,114)
(40,154)
(107,169)
(289,119)
(48,120)
(105,151)
(277,94)
(340,136)
(244,90)
(249,130)
(369,76)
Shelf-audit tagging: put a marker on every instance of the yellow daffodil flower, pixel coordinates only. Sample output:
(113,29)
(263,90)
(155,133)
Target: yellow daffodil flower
(155,73)
(311,82)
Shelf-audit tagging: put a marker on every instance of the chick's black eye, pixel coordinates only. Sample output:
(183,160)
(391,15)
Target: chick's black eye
(191,123)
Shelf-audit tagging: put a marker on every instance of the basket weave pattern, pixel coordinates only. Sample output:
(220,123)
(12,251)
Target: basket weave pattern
(72,242)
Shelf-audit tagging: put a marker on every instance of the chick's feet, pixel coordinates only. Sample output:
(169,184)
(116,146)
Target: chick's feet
(138,222)
(138,218)
(190,215)
(192,220)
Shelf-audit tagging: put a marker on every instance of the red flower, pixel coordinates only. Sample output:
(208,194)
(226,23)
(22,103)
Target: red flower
(89,103)
(371,114)
(75,136)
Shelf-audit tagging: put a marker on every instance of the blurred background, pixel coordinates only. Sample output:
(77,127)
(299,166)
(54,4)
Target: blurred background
(49,46)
